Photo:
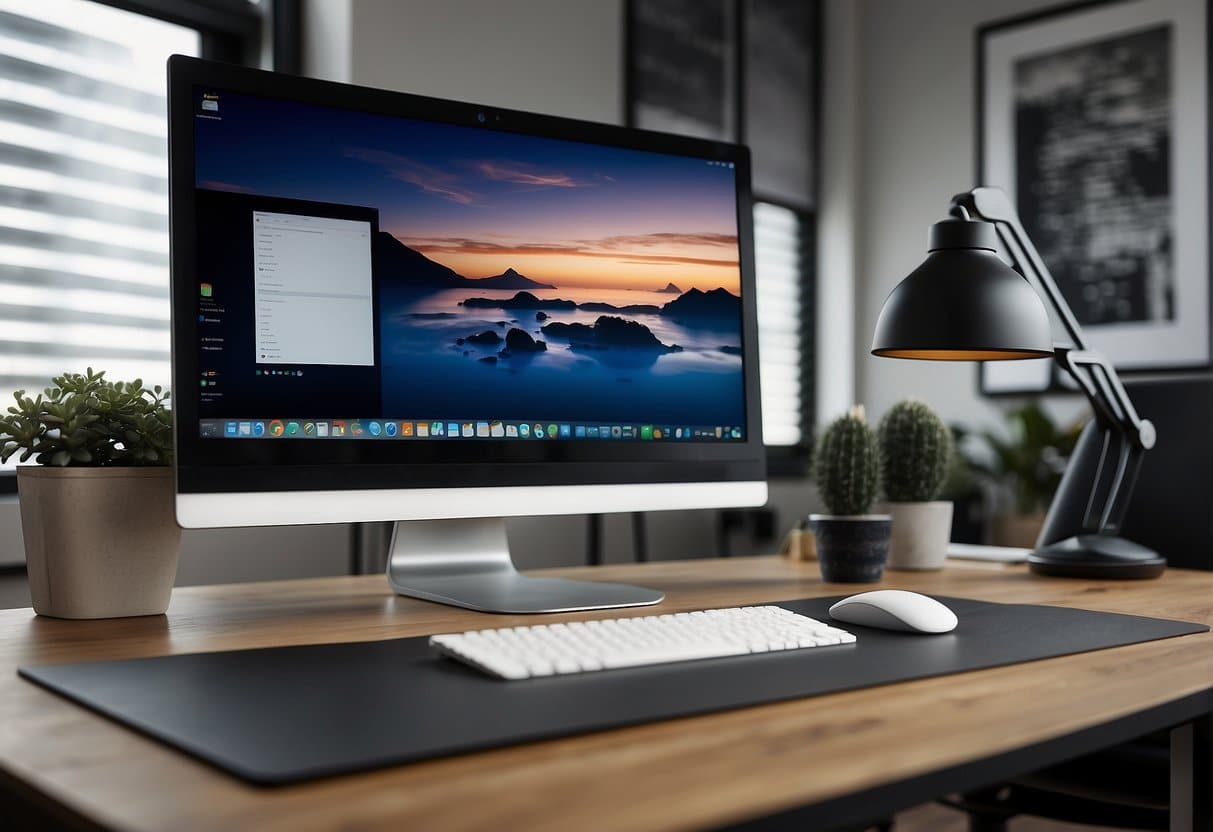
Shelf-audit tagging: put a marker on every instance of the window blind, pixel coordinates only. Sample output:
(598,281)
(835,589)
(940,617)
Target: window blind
(778,256)
(83,191)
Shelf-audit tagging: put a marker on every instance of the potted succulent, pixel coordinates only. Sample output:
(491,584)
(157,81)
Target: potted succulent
(101,538)
(852,545)
(915,455)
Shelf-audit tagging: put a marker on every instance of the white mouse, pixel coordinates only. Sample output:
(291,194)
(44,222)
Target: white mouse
(895,609)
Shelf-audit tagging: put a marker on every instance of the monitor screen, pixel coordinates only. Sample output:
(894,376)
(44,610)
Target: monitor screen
(375,292)
(366,277)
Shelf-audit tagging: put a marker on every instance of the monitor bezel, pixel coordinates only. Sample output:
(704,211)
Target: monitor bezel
(282,465)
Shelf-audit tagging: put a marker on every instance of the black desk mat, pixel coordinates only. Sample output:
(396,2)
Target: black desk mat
(285,714)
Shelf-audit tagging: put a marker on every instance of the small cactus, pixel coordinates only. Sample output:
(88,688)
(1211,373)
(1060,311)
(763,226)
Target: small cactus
(915,452)
(846,465)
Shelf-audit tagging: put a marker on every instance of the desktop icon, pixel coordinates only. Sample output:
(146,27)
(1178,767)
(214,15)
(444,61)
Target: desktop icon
(437,428)
(579,431)
(658,433)
(604,432)
(482,430)
(553,430)
(276,428)
(629,431)
(338,428)
(736,433)
(538,430)
(616,432)
(309,428)
(423,430)
(566,431)
(406,429)
(245,429)
(258,428)
(322,429)
(355,428)
(719,431)
(524,430)
(467,430)
(452,430)
(390,428)
(206,290)
(511,431)
(646,431)
(496,430)
(230,429)
(374,428)
(592,431)
(293,428)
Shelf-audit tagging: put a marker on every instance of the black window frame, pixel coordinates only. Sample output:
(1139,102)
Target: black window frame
(783,461)
(232,31)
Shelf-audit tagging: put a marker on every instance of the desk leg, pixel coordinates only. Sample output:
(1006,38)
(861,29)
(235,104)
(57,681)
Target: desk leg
(1192,776)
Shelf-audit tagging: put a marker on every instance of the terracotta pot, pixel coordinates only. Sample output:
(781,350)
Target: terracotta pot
(852,549)
(921,532)
(99,542)
(1018,530)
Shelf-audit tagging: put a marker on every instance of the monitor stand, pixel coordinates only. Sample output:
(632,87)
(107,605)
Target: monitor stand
(466,563)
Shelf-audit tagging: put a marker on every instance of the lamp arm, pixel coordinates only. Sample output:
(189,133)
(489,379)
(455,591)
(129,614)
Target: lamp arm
(1102,386)
(1097,504)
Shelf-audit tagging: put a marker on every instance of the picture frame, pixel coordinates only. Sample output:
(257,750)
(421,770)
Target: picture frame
(1094,118)
(683,71)
(736,71)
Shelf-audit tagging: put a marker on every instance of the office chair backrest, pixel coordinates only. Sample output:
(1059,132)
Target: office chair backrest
(1172,507)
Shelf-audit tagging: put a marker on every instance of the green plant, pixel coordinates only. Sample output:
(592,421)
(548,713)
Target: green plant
(846,465)
(86,420)
(962,481)
(1029,460)
(915,452)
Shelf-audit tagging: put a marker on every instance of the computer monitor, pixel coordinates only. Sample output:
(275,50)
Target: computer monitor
(389,307)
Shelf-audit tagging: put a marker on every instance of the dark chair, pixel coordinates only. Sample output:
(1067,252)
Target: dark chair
(1128,787)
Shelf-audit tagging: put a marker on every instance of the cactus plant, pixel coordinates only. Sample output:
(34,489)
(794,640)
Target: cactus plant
(85,420)
(915,452)
(847,468)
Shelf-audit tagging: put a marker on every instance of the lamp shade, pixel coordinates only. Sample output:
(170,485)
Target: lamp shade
(963,304)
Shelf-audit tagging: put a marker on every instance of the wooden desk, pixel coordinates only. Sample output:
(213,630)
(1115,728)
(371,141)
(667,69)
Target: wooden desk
(828,760)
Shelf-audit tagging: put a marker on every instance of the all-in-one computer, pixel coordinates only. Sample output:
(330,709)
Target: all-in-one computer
(389,307)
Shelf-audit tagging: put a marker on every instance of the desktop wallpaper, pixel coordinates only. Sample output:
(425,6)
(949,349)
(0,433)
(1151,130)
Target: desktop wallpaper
(518,277)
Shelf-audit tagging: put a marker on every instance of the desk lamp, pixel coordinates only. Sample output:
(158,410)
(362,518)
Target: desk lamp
(965,304)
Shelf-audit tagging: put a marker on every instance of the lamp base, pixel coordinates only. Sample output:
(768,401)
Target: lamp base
(1096,556)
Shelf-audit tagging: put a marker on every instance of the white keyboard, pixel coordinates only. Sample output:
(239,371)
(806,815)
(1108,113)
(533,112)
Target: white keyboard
(587,646)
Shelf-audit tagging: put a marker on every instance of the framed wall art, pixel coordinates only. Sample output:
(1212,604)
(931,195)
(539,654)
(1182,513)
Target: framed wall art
(1094,118)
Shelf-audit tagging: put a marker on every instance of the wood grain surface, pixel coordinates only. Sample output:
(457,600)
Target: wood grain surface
(683,774)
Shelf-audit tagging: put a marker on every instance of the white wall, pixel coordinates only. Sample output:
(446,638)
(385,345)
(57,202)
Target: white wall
(838,206)
(562,57)
(916,150)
